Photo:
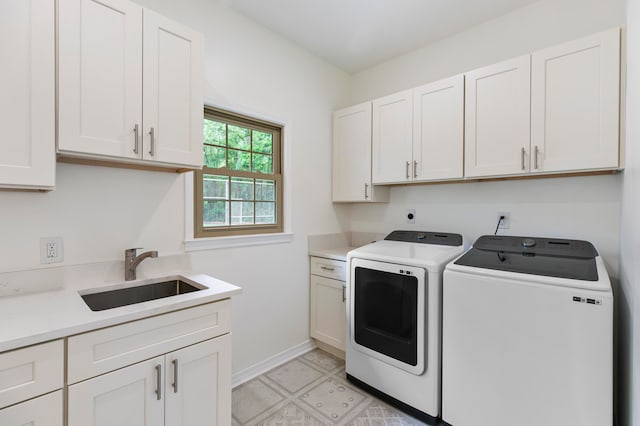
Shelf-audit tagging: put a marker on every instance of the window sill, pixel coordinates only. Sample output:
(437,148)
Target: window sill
(237,241)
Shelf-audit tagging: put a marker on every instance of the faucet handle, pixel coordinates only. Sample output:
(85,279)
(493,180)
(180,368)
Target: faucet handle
(132,250)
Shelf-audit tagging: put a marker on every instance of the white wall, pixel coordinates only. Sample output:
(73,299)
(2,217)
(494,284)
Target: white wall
(539,25)
(101,211)
(558,207)
(628,298)
(98,211)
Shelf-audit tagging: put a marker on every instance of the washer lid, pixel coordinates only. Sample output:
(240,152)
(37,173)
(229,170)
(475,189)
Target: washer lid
(551,257)
(424,237)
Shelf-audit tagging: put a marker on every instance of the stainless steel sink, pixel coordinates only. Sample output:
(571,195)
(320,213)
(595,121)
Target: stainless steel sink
(101,300)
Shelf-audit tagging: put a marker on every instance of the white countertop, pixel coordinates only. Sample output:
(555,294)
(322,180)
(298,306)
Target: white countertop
(337,253)
(44,314)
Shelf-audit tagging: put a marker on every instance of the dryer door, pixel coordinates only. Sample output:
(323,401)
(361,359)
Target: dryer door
(387,313)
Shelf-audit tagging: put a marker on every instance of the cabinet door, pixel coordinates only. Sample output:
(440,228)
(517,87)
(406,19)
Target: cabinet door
(497,110)
(43,411)
(27,104)
(132,396)
(328,311)
(438,126)
(198,384)
(392,138)
(575,104)
(100,77)
(352,156)
(172,92)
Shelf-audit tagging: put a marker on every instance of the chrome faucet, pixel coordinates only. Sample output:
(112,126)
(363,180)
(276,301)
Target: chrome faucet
(131,261)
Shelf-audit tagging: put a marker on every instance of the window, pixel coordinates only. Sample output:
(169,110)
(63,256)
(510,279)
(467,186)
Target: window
(239,190)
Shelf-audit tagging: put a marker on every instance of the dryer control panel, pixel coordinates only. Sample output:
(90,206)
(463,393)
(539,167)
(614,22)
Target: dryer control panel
(424,237)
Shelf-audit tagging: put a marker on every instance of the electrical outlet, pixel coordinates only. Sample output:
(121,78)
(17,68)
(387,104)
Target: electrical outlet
(411,215)
(51,250)
(504,224)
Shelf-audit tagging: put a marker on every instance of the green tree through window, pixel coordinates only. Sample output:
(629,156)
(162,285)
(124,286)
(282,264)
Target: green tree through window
(239,189)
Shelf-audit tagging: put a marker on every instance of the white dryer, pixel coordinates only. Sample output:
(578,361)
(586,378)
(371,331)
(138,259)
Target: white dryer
(527,335)
(393,314)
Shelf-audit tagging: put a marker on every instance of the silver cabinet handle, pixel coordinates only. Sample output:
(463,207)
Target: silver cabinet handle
(344,292)
(175,375)
(159,381)
(326,268)
(408,164)
(152,145)
(415,169)
(522,152)
(366,191)
(136,133)
(535,157)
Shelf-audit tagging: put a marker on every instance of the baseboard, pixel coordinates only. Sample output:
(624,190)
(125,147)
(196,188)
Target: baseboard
(328,348)
(255,370)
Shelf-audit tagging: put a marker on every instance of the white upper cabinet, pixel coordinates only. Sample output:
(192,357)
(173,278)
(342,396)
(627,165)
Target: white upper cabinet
(172,91)
(352,156)
(575,104)
(438,130)
(392,138)
(27,103)
(497,110)
(553,111)
(418,134)
(106,82)
(100,77)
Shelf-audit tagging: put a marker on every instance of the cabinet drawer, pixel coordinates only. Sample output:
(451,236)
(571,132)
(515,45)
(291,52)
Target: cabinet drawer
(29,372)
(42,411)
(104,350)
(328,268)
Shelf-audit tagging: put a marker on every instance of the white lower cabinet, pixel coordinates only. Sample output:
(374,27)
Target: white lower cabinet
(327,298)
(328,317)
(45,410)
(188,387)
(172,369)
(31,380)
(198,384)
(125,397)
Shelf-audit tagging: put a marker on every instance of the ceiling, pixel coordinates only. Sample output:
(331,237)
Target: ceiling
(357,34)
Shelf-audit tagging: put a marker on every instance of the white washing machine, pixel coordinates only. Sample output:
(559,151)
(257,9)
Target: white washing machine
(527,335)
(393,315)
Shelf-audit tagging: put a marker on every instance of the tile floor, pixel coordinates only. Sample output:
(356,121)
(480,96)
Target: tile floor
(311,390)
